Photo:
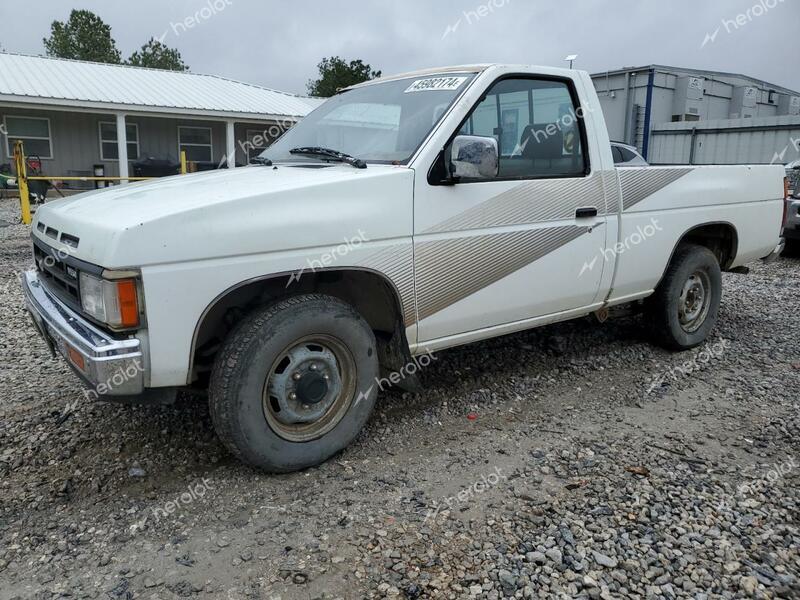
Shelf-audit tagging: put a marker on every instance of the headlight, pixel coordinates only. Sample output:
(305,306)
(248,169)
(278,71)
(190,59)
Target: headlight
(114,303)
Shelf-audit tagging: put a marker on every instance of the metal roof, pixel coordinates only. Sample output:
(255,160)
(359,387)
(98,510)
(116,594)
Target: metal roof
(701,72)
(68,83)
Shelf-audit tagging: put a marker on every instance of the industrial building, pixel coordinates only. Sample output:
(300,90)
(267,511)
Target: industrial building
(687,116)
(79,116)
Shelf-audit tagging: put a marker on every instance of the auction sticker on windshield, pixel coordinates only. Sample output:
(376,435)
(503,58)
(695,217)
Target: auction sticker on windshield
(438,84)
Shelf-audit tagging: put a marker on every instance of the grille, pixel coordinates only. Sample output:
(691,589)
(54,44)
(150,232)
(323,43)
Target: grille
(60,278)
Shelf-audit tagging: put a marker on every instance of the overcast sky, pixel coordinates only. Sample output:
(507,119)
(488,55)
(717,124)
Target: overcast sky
(278,44)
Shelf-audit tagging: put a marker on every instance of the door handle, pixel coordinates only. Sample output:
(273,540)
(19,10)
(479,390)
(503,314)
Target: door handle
(586,212)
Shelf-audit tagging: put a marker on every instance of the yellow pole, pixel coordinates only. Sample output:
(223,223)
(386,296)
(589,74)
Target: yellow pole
(22,183)
(183,162)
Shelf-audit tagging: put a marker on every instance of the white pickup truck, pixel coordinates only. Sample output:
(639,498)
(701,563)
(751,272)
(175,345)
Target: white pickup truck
(403,216)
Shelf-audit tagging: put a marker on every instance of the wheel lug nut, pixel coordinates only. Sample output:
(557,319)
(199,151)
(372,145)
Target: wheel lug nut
(292,396)
(296,376)
(326,376)
(314,367)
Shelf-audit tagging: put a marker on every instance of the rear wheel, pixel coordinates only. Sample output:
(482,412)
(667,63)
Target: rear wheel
(294,383)
(684,309)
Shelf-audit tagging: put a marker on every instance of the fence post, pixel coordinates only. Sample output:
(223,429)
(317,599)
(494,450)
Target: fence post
(22,183)
(183,162)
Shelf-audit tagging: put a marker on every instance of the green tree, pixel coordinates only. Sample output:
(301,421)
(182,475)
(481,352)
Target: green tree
(156,55)
(335,74)
(83,37)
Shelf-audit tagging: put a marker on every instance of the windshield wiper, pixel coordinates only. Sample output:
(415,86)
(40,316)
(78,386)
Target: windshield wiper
(261,160)
(331,154)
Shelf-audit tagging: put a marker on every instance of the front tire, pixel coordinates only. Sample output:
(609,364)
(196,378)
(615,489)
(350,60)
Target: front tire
(294,383)
(684,309)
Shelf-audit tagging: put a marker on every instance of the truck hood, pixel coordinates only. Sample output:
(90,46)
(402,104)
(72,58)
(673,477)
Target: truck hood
(227,213)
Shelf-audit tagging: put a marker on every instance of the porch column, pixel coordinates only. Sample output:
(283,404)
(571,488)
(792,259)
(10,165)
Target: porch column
(122,146)
(230,138)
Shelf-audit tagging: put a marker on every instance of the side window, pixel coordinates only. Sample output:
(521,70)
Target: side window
(536,125)
(618,157)
(627,155)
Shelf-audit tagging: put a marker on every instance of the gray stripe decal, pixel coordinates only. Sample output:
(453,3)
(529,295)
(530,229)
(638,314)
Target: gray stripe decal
(453,269)
(397,263)
(639,184)
(530,202)
(612,191)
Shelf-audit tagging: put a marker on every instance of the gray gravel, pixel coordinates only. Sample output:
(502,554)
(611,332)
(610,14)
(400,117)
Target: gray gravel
(575,461)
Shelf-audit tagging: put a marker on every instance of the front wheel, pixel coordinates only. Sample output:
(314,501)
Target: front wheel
(294,383)
(684,309)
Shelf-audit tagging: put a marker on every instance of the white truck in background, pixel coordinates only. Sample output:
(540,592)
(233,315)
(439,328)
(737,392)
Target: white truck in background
(405,215)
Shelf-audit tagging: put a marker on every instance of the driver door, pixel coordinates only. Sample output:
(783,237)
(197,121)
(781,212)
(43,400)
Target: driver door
(501,250)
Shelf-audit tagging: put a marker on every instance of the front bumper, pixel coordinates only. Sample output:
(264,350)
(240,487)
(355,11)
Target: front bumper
(111,367)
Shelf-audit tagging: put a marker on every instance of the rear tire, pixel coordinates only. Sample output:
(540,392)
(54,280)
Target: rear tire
(684,309)
(294,383)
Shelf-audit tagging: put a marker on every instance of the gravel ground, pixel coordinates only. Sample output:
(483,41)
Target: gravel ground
(571,461)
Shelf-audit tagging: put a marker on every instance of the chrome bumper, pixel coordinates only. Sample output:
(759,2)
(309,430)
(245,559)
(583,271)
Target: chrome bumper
(111,367)
(777,252)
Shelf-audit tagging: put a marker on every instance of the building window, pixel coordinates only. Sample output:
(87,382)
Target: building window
(196,141)
(257,142)
(34,132)
(109,150)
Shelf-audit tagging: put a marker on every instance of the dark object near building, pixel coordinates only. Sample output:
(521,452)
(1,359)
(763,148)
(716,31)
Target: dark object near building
(155,167)
(205,165)
(6,177)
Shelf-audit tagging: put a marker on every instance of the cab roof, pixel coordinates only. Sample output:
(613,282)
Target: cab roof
(476,69)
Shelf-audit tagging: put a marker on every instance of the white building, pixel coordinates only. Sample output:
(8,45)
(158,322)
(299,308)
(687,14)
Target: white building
(76,115)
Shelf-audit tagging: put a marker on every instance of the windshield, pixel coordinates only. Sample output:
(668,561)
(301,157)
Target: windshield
(380,123)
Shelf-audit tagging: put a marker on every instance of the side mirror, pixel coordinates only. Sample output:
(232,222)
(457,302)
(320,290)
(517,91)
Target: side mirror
(473,157)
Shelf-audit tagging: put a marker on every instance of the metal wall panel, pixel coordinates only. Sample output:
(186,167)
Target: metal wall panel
(741,141)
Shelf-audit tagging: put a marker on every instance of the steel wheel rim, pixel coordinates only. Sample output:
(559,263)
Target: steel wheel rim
(309,388)
(695,301)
